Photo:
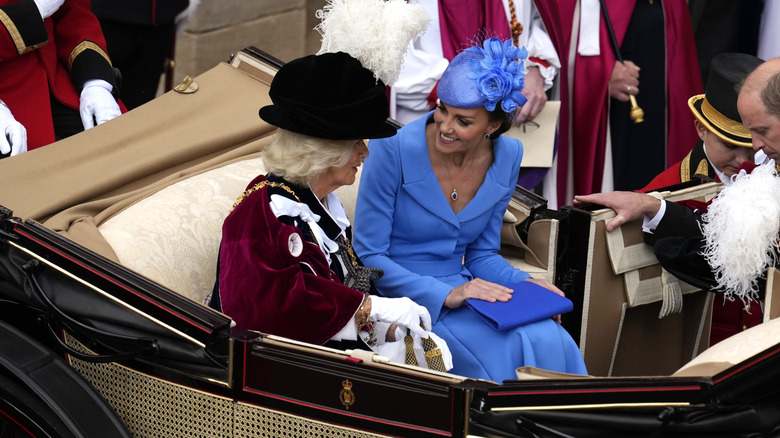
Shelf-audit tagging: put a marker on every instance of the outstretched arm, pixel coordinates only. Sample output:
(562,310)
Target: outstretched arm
(628,205)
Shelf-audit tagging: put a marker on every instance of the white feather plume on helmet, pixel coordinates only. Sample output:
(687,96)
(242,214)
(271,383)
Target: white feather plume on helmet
(376,32)
(741,231)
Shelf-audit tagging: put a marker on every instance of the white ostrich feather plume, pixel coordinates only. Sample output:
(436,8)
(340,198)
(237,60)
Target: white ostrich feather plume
(376,32)
(741,231)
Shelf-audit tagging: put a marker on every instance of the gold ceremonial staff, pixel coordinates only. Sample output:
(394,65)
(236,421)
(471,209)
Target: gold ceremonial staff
(637,115)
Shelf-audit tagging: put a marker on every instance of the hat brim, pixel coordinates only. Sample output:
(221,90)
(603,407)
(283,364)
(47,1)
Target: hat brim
(274,116)
(730,131)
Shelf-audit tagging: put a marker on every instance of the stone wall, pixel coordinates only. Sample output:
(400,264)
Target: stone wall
(219,28)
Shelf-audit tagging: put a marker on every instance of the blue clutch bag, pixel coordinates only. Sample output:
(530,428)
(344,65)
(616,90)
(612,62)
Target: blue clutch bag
(530,303)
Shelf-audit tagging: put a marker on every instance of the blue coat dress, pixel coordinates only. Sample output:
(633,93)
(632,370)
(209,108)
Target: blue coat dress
(405,226)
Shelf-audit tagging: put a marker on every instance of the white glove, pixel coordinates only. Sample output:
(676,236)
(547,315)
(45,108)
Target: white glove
(13,136)
(47,8)
(403,312)
(97,104)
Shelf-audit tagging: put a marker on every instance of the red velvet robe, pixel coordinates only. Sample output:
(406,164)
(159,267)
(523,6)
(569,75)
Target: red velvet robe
(585,101)
(264,287)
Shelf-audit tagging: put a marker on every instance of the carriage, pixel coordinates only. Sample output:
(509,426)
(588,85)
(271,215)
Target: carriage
(108,244)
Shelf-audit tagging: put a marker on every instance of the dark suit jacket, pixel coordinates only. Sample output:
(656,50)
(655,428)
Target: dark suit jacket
(678,242)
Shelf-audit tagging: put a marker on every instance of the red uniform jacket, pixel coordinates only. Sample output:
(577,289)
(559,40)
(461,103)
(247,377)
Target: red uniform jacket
(56,55)
(695,163)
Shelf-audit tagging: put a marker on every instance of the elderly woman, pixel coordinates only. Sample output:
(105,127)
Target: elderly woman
(286,265)
(429,213)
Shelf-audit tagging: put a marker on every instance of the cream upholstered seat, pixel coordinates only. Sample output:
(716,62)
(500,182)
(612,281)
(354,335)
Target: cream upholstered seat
(173,236)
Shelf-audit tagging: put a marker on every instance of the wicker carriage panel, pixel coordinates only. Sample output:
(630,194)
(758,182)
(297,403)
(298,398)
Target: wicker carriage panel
(155,408)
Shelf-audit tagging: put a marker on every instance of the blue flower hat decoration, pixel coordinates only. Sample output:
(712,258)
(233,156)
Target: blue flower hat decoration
(485,76)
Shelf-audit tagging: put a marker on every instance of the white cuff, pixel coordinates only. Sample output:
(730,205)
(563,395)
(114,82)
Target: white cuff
(98,83)
(650,224)
(347,333)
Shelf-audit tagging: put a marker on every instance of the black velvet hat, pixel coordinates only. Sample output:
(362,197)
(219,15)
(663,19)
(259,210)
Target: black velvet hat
(329,96)
(717,107)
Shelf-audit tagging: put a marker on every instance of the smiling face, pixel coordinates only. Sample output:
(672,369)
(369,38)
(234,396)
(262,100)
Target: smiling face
(726,157)
(461,129)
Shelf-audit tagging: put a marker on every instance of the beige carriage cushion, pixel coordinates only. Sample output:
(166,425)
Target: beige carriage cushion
(733,350)
(173,236)
(644,280)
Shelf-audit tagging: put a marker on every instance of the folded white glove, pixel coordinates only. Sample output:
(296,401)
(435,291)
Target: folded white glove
(97,105)
(47,8)
(401,311)
(13,136)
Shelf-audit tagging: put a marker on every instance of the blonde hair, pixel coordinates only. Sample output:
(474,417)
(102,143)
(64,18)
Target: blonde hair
(301,159)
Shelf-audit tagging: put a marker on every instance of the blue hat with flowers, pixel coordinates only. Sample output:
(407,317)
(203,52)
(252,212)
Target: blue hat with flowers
(485,76)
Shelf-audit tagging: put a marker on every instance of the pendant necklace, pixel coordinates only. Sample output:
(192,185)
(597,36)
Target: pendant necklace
(454,194)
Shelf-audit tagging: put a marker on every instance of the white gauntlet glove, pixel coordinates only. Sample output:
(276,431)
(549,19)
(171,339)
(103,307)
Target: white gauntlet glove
(97,105)
(47,8)
(401,311)
(13,136)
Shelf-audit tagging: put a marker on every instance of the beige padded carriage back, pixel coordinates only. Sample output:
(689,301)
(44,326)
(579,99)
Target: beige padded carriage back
(172,237)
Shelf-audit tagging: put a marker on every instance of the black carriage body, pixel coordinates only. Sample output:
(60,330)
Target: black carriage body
(206,377)
(143,360)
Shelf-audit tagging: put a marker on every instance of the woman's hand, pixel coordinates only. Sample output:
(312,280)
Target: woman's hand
(479,289)
(547,285)
(402,311)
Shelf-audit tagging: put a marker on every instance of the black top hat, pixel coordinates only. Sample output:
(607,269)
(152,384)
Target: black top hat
(717,107)
(329,96)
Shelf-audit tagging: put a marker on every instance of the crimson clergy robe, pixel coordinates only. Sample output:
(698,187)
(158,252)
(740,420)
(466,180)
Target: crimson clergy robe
(585,94)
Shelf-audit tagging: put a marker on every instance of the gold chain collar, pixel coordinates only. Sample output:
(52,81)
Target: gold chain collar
(259,186)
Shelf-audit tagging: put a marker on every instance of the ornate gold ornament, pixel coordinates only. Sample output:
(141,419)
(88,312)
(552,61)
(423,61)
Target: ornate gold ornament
(346,396)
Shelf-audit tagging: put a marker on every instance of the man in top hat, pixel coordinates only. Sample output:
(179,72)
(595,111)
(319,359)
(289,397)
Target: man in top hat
(724,145)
